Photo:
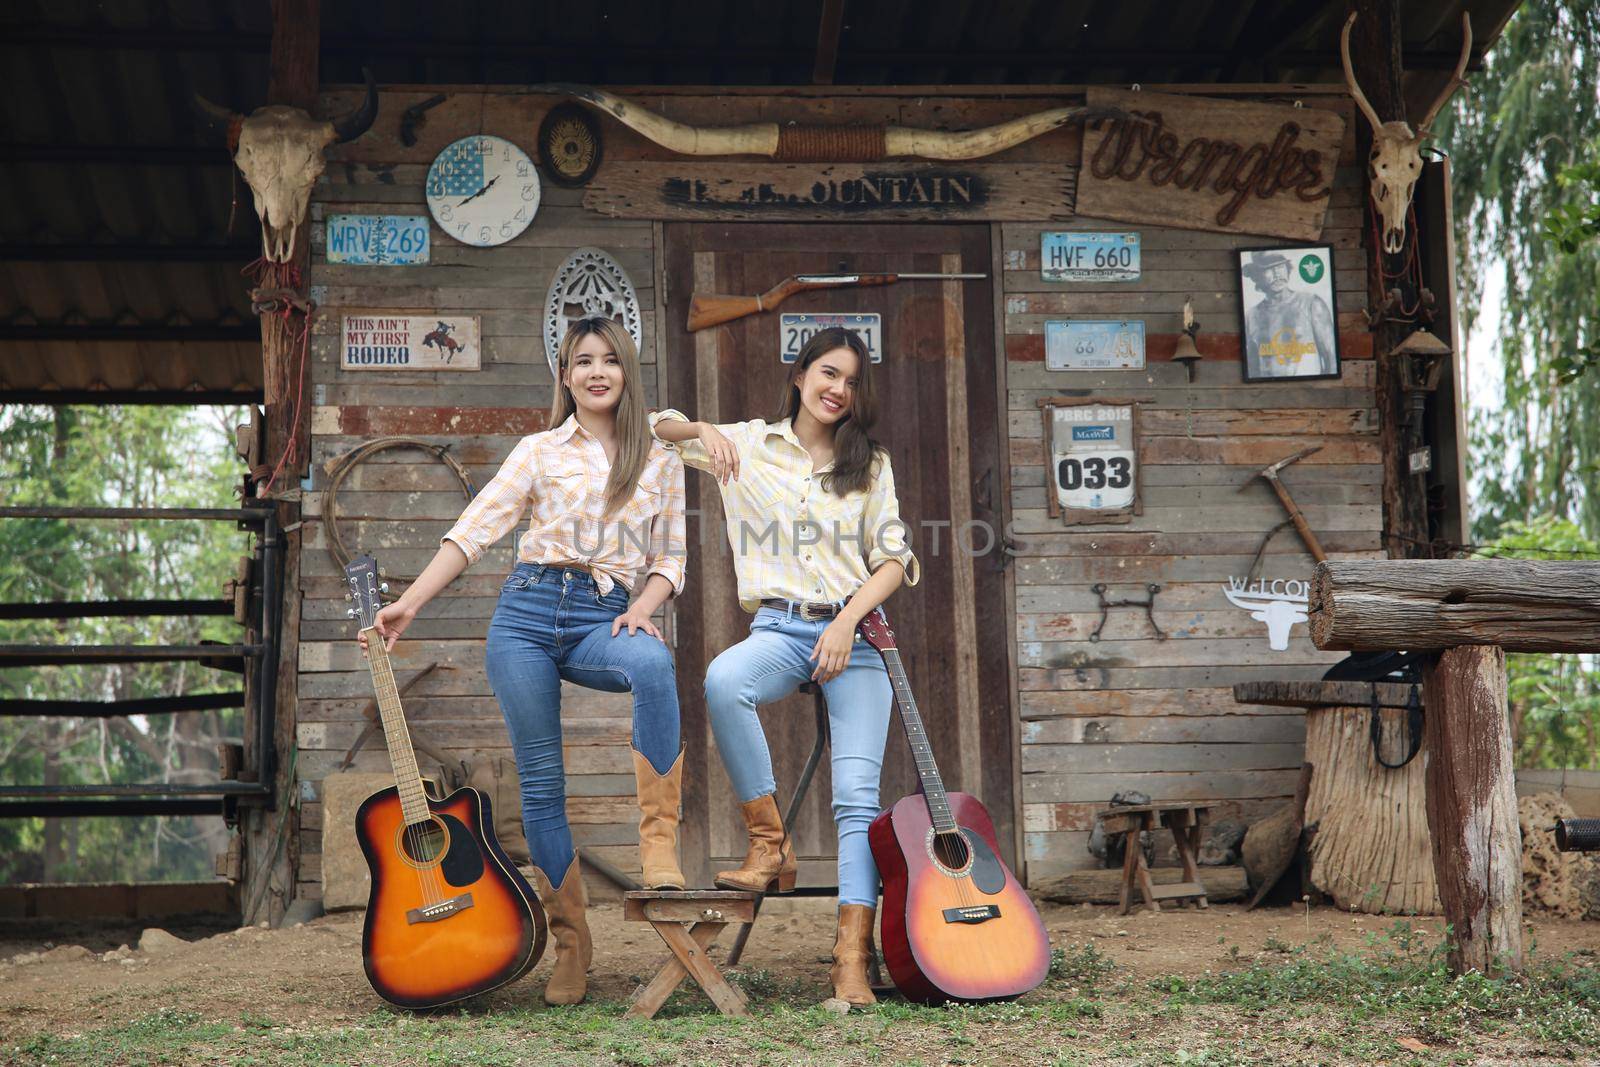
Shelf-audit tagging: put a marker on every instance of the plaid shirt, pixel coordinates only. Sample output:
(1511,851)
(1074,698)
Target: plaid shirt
(562,473)
(792,539)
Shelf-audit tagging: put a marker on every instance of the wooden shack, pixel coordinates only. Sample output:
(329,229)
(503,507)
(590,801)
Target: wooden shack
(1064,647)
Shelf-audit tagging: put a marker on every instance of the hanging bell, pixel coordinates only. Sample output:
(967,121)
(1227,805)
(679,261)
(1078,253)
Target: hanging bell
(1186,353)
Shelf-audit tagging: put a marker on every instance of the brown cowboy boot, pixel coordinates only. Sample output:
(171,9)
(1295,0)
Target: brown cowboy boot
(769,865)
(574,950)
(659,799)
(851,951)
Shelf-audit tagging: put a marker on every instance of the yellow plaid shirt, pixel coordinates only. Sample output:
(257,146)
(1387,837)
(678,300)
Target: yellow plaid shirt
(792,539)
(561,475)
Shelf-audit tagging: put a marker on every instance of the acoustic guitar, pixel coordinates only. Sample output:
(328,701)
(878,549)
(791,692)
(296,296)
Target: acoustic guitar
(956,924)
(449,915)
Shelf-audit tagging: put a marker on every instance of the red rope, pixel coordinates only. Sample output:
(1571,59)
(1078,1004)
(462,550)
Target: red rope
(285,276)
(1410,271)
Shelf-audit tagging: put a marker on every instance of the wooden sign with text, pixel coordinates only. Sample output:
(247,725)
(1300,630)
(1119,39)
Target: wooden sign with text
(837,192)
(1200,163)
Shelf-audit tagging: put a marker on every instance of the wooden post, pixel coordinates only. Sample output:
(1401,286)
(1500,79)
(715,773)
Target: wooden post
(1472,612)
(1472,808)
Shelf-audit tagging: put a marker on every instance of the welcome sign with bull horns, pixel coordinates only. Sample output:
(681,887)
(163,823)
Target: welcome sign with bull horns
(1278,602)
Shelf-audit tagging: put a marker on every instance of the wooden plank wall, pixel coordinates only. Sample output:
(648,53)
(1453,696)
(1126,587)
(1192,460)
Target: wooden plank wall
(398,504)
(1126,712)
(1132,711)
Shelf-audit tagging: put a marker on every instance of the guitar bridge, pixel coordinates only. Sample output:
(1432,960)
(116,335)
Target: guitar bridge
(432,913)
(977,913)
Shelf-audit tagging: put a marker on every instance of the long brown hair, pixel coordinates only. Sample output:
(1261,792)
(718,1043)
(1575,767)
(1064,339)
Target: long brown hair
(633,428)
(853,449)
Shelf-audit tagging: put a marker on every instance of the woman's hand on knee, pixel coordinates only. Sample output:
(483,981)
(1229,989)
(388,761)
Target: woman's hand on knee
(832,651)
(635,620)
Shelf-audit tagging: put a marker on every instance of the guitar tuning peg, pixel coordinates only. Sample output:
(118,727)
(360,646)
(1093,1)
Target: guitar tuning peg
(383,587)
(350,613)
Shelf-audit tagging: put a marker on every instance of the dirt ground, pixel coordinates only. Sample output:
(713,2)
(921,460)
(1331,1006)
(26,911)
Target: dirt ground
(311,974)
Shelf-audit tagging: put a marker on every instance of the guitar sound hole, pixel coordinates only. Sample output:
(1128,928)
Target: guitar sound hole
(424,843)
(951,850)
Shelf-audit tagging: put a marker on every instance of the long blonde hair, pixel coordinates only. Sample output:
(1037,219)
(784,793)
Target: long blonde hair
(633,429)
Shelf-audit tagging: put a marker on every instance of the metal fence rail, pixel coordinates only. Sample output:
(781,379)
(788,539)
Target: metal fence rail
(157,798)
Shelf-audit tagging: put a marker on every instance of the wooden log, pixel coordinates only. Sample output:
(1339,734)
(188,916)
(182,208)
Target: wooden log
(1322,694)
(1520,605)
(1103,887)
(1472,808)
(1367,825)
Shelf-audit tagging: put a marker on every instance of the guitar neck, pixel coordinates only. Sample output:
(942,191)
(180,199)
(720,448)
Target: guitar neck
(407,776)
(921,747)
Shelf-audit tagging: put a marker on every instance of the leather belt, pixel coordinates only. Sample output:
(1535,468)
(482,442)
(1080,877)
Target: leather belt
(808,612)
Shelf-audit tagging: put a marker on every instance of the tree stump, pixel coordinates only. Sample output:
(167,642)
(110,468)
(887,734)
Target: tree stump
(1370,850)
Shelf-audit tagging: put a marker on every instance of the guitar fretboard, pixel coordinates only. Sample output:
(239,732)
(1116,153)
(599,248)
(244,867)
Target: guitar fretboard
(921,748)
(407,776)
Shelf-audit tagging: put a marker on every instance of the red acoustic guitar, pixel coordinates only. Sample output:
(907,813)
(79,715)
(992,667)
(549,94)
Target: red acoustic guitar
(956,925)
(449,916)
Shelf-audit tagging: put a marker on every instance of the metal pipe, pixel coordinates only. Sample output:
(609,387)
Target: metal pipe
(54,655)
(217,514)
(267,683)
(92,709)
(95,609)
(157,789)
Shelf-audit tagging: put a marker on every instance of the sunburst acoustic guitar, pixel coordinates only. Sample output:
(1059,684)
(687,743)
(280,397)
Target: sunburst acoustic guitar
(449,915)
(956,923)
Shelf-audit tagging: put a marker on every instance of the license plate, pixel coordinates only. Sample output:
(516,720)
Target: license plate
(794,330)
(1094,344)
(1076,256)
(377,240)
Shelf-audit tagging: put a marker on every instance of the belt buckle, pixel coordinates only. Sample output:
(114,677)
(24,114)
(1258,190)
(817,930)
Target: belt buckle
(807,614)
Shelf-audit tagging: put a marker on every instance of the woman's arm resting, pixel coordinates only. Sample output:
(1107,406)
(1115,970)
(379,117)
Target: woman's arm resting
(832,650)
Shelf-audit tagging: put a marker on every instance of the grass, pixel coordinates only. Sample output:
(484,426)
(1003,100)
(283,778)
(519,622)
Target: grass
(1393,1001)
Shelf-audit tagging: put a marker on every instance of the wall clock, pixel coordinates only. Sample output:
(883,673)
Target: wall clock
(483,190)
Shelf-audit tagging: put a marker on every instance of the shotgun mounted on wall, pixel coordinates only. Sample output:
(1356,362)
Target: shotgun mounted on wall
(714,309)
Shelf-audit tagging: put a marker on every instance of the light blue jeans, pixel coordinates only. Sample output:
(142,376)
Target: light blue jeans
(772,663)
(552,623)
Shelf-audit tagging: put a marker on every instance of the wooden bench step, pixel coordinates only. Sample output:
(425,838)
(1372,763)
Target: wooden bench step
(1177,890)
(711,905)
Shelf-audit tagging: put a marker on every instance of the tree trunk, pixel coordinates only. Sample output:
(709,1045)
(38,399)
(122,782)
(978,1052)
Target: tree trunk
(1472,808)
(1367,824)
(1520,605)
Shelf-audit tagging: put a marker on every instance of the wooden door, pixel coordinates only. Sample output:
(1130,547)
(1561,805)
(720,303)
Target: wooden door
(939,419)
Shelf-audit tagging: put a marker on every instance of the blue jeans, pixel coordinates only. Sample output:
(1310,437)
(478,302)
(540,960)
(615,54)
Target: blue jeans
(769,665)
(552,623)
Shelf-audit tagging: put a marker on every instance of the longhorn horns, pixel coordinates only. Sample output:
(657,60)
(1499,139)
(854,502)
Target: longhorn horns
(768,138)
(218,120)
(1456,79)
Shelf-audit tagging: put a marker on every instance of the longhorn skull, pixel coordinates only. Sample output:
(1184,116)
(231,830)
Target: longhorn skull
(279,151)
(836,144)
(1397,151)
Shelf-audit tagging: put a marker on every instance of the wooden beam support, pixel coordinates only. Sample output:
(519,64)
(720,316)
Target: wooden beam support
(1520,605)
(1472,808)
(828,42)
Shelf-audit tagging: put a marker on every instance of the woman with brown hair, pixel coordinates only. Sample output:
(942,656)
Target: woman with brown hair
(606,504)
(817,543)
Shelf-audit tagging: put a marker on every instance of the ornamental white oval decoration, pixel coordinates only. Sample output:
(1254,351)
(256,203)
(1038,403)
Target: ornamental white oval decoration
(589,283)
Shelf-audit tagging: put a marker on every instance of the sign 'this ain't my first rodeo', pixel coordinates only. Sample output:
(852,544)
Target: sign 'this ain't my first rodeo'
(1207,164)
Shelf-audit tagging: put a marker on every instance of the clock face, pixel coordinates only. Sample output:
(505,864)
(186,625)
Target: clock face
(483,190)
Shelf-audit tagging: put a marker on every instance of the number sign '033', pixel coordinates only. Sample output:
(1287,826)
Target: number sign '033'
(1093,460)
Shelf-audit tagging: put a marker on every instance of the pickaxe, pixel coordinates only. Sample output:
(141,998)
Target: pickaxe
(1295,515)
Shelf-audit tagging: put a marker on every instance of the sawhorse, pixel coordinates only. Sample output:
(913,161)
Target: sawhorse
(1185,821)
(688,922)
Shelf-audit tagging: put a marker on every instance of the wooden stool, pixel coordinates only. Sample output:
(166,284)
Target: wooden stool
(688,923)
(1185,821)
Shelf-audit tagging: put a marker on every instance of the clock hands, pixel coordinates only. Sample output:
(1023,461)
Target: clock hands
(480,192)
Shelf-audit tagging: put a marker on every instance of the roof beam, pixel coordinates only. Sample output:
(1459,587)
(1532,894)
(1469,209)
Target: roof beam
(133,332)
(105,252)
(828,42)
(160,155)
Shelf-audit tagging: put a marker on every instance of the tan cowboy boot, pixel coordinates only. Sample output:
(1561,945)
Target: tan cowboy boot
(851,951)
(574,950)
(659,799)
(769,866)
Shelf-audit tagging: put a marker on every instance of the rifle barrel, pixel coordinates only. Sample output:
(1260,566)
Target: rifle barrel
(970,277)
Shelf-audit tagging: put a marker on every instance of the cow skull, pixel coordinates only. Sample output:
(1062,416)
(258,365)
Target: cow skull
(1396,159)
(279,151)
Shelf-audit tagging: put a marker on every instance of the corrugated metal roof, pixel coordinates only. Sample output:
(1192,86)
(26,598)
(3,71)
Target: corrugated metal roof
(99,148)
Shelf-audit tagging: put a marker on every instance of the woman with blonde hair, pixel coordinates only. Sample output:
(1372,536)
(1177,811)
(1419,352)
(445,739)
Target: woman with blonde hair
(606,504)
(817,544)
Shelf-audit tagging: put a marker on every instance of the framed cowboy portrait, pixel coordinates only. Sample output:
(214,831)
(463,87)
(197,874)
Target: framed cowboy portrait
(1288,318)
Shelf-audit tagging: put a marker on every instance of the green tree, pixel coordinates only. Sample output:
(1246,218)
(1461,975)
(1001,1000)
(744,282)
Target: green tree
(1532,113)
(1554,699)
(117,457)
